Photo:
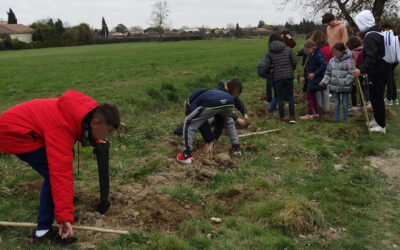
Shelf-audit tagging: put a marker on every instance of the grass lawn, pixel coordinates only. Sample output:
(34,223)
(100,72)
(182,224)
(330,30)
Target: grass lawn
(314,185)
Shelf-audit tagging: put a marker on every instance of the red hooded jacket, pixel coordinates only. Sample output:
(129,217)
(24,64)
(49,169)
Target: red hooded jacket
(327,52)
(55,124)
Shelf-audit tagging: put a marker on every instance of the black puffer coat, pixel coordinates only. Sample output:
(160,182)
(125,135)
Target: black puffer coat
(281,60)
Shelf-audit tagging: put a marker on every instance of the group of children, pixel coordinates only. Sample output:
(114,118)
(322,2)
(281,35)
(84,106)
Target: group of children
(328,71)
(331,71)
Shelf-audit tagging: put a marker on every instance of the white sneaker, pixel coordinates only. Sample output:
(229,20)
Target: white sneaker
(388,102)
(396,102)
(378,129)
(372,123)
(354,108)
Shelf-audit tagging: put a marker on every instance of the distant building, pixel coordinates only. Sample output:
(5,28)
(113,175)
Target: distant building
(17,31)
(116,34)
(189,30)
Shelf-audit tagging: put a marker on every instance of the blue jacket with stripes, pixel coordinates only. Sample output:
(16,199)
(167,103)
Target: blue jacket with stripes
(210,99)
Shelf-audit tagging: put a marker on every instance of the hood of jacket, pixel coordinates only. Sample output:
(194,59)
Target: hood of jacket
(74,106)
(358,49)
(365,20)
(345,56)
(276,46)
(336,23)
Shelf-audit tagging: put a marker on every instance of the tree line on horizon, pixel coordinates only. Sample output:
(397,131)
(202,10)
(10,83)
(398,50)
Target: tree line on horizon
(52,34)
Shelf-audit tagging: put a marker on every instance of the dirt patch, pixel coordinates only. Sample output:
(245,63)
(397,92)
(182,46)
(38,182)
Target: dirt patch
(30,186)
(133,206)
(137,206)
(390,166)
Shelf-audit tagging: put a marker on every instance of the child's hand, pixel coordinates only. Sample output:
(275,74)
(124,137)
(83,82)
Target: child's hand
(303,80)
(245,117)
(356,73)
(311,76)
(67,228)
(209,147)
(241,122)
(321,84)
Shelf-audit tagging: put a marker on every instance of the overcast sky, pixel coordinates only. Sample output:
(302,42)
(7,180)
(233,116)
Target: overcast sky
(192,13)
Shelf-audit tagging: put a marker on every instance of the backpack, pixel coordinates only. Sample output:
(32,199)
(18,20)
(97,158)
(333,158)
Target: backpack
(392,50)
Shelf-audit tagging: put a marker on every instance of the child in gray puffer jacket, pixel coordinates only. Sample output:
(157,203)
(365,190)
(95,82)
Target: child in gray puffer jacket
(339,77)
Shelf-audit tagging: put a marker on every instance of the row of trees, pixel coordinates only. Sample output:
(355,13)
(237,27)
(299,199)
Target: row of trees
(49,33)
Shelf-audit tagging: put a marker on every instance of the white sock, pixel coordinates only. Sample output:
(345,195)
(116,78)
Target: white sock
(40,233)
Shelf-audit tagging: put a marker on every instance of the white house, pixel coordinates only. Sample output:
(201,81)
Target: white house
(17,31)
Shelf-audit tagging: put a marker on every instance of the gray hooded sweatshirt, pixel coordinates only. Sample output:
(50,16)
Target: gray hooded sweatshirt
(339,73)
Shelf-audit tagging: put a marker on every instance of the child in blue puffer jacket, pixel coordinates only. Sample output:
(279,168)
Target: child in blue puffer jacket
(314,71)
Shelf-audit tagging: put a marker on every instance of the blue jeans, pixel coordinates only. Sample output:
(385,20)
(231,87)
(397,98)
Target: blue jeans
(268,87)
(273,100)
(345,97)
(285,92)
(268,83)
(37,159)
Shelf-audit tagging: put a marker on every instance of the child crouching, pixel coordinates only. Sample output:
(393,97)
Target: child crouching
(205,104)
(339,77)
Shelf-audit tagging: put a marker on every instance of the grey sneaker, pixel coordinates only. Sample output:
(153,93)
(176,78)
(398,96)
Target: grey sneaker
(388,102)
(372,123)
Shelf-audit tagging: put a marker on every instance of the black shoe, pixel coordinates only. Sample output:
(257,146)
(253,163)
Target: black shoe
(37,241)
(64,242)
(51,237)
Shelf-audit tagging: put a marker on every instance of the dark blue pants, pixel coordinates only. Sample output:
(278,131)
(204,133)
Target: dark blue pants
(37,159)
(285,92)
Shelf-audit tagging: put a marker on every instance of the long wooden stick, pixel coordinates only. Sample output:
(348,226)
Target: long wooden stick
(103,230)
(259,133)
(361,96)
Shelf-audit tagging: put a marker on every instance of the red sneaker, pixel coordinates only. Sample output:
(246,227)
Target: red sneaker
(292,120)
(283,119)
(181,158)
(237,152)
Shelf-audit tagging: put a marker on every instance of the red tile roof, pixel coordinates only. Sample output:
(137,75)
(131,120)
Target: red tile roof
(17,28)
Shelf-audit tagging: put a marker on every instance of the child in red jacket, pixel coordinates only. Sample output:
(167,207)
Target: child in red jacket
(42,132)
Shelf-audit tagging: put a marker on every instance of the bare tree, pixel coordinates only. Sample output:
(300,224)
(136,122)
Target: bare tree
(347,9)
(159,18)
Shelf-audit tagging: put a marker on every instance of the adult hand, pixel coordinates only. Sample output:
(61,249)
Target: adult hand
(356,73)
(245,117)
(241,122)
(311,76)
(321,84)
(67,228)
(303,80)
(209,147)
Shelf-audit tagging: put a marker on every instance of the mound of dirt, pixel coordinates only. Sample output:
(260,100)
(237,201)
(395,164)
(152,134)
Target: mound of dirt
(389,166)
(136,207)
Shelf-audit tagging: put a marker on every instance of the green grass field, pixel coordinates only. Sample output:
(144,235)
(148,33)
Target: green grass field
(311,186)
